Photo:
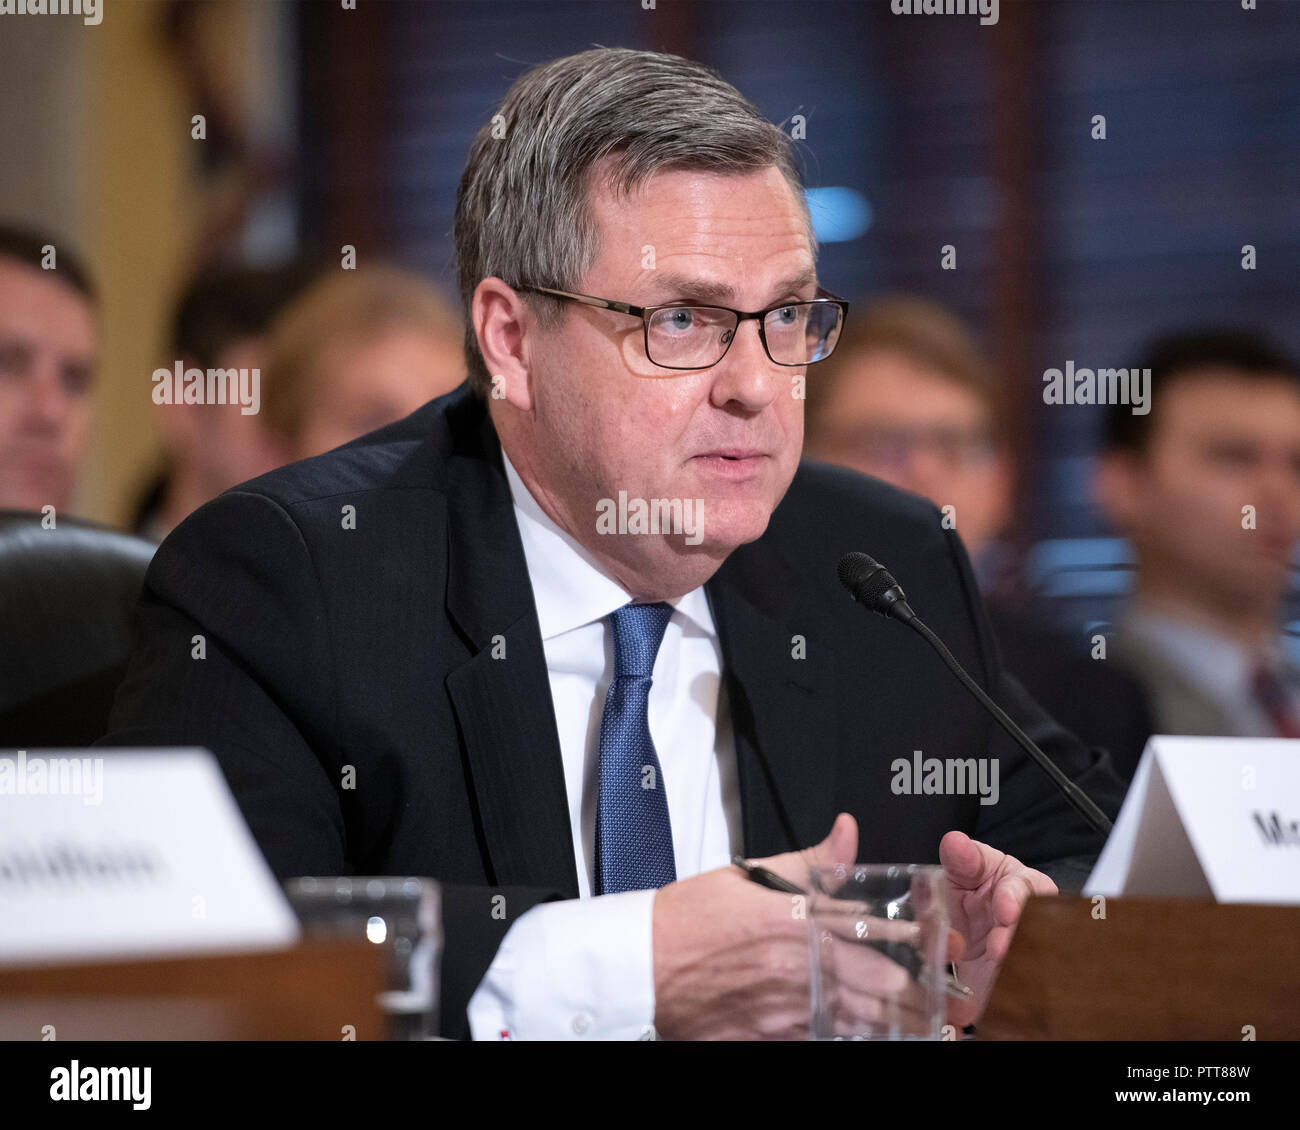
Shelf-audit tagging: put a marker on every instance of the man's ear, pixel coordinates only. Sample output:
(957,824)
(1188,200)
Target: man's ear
(502,322)
(1003,487)
(1117,490)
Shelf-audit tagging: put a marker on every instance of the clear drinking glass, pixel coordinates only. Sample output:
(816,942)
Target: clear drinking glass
(879,936)
(402,914)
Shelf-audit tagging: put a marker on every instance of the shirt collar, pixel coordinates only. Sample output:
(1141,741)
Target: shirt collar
(569,588)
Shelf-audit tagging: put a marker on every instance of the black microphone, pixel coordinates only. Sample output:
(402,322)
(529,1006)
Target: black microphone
(874,587)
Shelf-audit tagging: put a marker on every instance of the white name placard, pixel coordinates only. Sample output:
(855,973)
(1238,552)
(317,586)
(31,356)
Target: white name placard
(121,854)
(1216,817)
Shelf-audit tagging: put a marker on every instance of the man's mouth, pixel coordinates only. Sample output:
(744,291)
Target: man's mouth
(733,462)
(36,461)
(732,454)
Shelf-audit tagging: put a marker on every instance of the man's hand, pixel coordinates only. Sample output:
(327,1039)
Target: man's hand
(989,890)
(731,957)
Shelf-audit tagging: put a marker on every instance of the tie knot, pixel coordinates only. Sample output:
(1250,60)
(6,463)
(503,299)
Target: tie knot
(638,632)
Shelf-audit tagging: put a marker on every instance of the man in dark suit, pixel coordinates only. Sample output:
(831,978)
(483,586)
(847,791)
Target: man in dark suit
(458,646)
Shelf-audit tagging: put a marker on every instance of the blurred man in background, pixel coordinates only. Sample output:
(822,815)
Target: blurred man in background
(49,345)
(359,350)
(1207,488)
(909,398)
(221,322)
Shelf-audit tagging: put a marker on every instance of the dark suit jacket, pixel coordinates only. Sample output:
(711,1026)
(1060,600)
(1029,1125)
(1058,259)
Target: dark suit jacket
(371,649)
(1098,701)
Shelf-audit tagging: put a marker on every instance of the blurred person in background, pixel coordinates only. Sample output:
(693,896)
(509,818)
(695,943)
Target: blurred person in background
(221,322)
(1206,486)
(356,351)
(909,397)
(49,346)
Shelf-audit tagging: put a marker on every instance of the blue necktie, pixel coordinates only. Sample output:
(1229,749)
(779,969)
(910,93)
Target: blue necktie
(634,839)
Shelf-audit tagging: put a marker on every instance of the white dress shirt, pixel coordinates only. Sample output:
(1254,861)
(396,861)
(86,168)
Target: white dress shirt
(584,968)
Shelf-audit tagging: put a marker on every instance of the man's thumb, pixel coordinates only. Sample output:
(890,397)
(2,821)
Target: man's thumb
(841,846)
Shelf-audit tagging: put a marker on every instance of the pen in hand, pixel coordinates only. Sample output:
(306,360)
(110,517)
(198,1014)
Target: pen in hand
(766,878)
(775,882)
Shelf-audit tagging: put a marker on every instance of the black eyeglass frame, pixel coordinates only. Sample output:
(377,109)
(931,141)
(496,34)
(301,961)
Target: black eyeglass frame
(645,313)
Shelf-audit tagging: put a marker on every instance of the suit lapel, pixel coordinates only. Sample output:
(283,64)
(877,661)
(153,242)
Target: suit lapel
(782,707)
(502,694)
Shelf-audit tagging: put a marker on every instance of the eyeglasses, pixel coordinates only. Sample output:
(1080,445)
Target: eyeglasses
(685,336)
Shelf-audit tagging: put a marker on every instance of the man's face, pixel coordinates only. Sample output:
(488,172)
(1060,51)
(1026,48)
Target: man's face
(365,385)
(217,445)
(891,417)
(240,447)
(47,358)
(607,420)
(1222,441)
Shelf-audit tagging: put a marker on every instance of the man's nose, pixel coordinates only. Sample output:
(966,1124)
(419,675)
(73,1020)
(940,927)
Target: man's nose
(927,471)
(45,405)
(747,375)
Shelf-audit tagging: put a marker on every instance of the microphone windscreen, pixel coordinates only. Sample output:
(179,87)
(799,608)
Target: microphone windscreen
(865,578)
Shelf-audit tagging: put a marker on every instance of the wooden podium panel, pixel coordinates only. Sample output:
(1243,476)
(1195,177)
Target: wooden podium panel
(1152,969)
(310,992)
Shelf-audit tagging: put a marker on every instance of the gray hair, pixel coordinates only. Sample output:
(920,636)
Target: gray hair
(521,209)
